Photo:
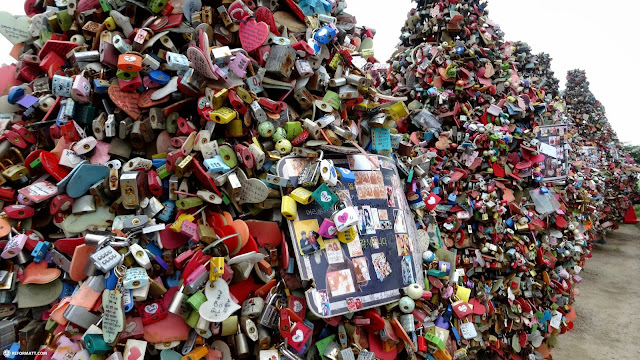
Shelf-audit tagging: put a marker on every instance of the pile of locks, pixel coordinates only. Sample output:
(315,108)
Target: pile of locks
(503,176)
(144,211)
(600,161)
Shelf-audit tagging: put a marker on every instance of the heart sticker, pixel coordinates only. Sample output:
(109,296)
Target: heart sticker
(343,218)
(325,197)
(151,308)
(130,326)
(134,353)
(127,101)
(297,306)
(298,336)
(432,201)
(219,305)
(253,34)
(332,230)
(16,30)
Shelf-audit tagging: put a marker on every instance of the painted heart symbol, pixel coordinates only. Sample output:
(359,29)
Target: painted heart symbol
(325,197)
(297,306)
(332,230)
(134,353)
(343,218)
(431,201)
(130,327)
(463,308)
(16,30)
(298,336)
(151,308)
(253,34)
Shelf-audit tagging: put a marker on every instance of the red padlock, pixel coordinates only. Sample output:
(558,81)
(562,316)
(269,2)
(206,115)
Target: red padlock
(22,131)
(15,139)
(152,311)
(154,182)
(69,131)
(19,211)
(60,203)
(245,155)
(270,105)
(237,103)
(173,158)
(185,127)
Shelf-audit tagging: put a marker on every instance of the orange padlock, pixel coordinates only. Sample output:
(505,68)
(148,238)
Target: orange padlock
(130,63)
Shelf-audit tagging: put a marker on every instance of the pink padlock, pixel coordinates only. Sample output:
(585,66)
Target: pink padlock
(222,75)
(130,85)
(81,88)
(190,229)
(328,229)
(14,246)
(66,349)
(239,65)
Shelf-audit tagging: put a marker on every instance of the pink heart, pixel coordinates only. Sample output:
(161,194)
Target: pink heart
(134,353)
(343,218)
(253,34)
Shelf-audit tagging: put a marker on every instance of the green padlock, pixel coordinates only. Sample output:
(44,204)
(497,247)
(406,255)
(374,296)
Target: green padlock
(196,300)
(106,7)
(65,20)
(157,5)
(95,344)
(125,75)
(192,319)
(188,203)
(293,128)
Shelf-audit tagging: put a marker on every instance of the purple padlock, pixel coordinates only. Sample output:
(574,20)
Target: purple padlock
(239,65)
(14,246)
(23,200)
(81,88)
(328,229)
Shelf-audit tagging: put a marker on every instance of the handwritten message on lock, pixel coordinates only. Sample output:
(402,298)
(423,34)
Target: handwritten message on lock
(219,305)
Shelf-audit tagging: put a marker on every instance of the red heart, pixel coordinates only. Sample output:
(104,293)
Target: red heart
(265,15)
(498,170)
(253,34)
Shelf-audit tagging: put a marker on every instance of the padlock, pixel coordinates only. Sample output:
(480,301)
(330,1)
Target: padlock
(131,185)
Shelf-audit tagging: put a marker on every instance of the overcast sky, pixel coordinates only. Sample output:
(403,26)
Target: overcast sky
(598,36)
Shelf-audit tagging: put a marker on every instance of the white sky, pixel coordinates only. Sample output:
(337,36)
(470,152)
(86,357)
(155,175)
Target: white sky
(597,36)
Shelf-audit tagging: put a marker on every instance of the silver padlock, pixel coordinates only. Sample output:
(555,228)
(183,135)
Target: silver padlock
(106,259)
(80,316)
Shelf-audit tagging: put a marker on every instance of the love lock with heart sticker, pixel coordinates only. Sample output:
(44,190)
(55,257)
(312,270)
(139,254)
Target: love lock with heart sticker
(246,179)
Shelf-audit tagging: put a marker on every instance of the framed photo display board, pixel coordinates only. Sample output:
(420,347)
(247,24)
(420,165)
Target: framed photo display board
(371,269)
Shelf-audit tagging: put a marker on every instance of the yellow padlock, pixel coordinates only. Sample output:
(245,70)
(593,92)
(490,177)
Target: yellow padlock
(216,268)
(182,166)
(219,98)
(177,225)
(244,95)
(302,196)
(110,23)
(347,236)
(289,208)
(398,110)
(223,115)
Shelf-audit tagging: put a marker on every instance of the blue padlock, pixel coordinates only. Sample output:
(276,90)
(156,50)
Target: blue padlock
(15,94)
(159,76)
(100,86)
(174,280)
(110,280)
(346,175)
(67,290)
(324,35)
(158,162)
(127,300)
(167,212)
(40,251)
(216,164)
